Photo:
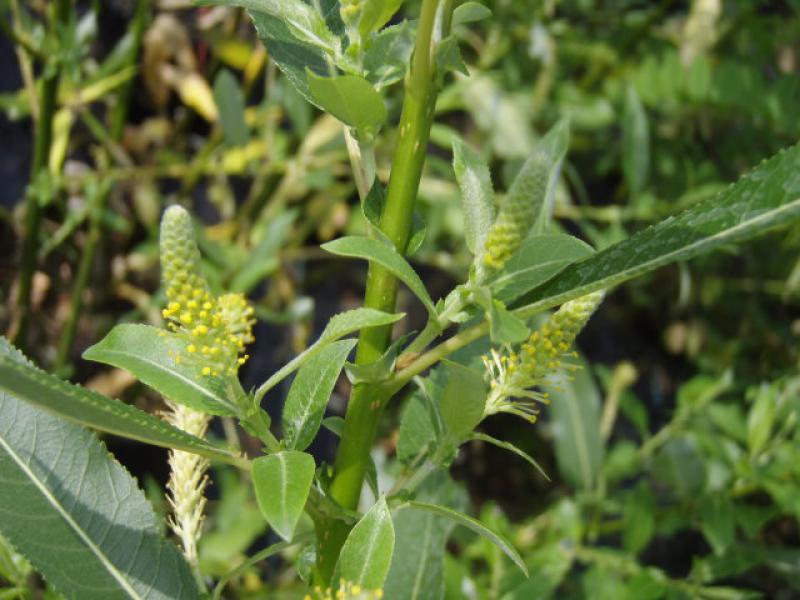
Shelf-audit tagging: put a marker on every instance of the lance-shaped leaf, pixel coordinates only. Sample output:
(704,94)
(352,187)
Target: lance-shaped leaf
(152,355)
(309,394)
(282,482)
(461,519)
(417,571)
(538,259)
(477,195)
(386,256)
(511,448)
(575,418)
(367,553)
(635,143)
(339,326)
(86,407)
(766,197)
(78,516)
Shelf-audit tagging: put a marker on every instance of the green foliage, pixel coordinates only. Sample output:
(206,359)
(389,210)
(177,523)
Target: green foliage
(282,482)
(308,396)
(93,536)
(152,355)
(367,554)
(660,111)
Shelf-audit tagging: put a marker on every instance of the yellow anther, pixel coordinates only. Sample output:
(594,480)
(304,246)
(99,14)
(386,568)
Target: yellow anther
(206,371)
(191,348)
(186,318)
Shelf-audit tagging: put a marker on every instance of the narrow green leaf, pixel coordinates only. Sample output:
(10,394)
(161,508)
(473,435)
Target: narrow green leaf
(461,519)
(718,522)
(416,429)
(417,571)
(339,326)
(309,394)
(230,101)
(150,354)
(575,418)
(504,327)
(638,515)
(477,195)
(77,515)
(77,404)
(766,197)
(469,12)
(463,399)
(282,482)
(367,553)
(635,143)
(538,259)
(386,256)
(351,99)
(761,419)
(511,448)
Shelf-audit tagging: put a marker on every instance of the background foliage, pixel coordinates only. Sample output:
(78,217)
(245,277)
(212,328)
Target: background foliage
(673,457)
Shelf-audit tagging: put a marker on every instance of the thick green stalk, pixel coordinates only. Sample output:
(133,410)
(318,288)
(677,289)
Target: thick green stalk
(367,401)
(118,118)
(41,153)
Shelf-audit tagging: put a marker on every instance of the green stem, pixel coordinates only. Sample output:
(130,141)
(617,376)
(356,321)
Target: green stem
(118,118)
(367,401)
(41,152)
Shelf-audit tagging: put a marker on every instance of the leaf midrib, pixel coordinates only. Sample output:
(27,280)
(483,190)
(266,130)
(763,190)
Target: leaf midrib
(177,374)
(661,260)
(53,501)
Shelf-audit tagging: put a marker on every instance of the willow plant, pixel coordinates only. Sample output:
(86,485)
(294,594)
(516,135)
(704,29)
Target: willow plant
(489,346)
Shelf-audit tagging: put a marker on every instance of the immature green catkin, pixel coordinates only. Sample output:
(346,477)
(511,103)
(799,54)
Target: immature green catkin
(518,211)
(513,375)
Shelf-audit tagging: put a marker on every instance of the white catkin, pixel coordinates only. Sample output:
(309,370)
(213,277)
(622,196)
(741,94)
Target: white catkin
(187,482)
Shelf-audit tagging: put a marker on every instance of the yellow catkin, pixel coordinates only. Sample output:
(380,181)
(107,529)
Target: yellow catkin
(345,591)
(220,327)
(514,375)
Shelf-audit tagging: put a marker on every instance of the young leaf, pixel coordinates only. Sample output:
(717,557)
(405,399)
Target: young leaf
(309,394)
(367,553)
(230,102)
(461,519)
(78,516)
(387,57)
(282,482)
(416,429)
(448,57)
(511,448)
(575,418)
(538,259)
(375,14)
(25,382)
(470,12)
(477,195)
(504,327)
(463,399)
(303,21)
(635,143)
(386,256)
(292,56)
(150,354)
(766,197)
(339,326)
(372,207)
(351,99)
